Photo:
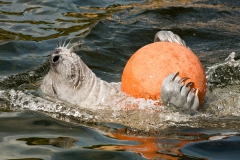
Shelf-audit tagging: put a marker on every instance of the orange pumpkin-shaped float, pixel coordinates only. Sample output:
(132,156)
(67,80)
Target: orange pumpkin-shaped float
(144,72)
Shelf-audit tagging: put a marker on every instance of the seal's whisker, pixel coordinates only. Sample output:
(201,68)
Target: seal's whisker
(64,42)
(68,43)
(72,48)
(59,43)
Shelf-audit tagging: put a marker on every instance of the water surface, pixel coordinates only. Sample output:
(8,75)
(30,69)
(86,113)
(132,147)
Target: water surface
(105,34)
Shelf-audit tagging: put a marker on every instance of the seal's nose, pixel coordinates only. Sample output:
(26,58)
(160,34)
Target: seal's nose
(55,57)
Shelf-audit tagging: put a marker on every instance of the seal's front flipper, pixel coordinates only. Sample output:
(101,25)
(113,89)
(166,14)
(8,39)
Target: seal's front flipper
(175,92)
(168,36)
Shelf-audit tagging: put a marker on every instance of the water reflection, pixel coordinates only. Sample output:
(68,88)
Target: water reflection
(41,137)
(62,142)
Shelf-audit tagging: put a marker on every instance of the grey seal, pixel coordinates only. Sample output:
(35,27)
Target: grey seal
(69,79)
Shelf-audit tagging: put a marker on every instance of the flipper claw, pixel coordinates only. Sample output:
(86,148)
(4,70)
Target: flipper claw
(178,94)
(189,84)
(183,79)
(175,75)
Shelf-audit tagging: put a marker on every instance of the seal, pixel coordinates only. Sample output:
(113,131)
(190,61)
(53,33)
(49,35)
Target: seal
(69,79)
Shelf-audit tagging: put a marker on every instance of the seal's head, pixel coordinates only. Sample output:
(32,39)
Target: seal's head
(66,73)
(65,65)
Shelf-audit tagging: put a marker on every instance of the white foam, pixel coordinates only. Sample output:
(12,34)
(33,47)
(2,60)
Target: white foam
(146,116)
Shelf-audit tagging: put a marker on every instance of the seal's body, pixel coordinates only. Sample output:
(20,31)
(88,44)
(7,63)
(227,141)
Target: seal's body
(70,80)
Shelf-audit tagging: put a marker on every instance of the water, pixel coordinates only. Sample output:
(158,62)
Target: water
(105,34)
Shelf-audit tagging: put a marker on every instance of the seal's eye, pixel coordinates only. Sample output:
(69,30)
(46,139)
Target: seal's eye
(55,58)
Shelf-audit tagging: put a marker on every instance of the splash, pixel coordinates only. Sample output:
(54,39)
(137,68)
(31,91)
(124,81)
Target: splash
(137,118)
(223,74)
(220,102)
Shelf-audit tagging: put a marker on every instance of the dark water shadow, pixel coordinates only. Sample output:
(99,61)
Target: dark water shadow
(218,149)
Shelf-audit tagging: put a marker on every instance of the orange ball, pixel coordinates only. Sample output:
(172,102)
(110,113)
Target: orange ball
(144,72)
